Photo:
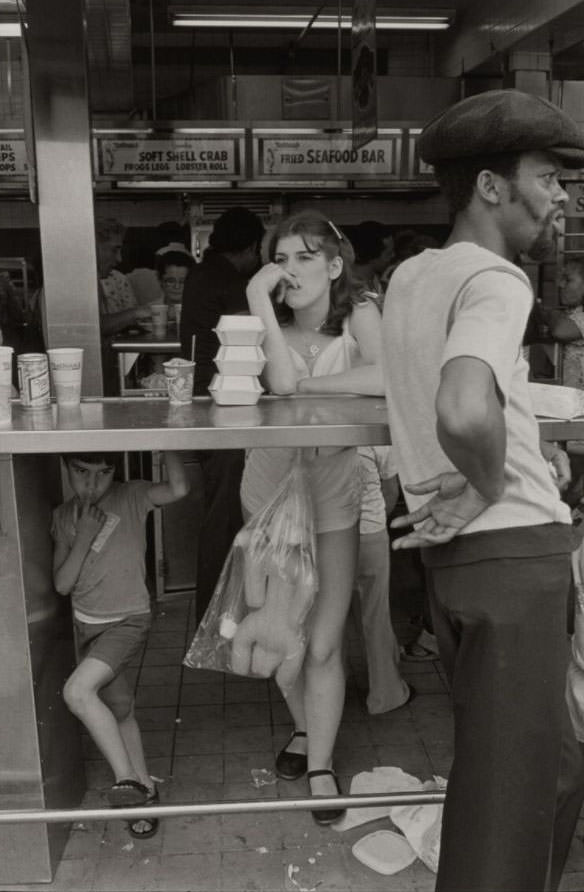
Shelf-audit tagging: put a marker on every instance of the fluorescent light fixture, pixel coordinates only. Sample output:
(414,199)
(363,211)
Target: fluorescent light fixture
(10,29)
(298,21)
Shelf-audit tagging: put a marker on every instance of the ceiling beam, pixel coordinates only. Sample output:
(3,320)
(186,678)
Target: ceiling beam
(485,30)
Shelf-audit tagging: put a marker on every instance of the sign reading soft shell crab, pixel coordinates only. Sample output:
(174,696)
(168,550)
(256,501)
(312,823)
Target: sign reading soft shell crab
(299,156)
(181,157)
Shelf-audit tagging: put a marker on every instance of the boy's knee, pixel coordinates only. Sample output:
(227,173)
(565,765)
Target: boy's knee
(120,704)
(74,695)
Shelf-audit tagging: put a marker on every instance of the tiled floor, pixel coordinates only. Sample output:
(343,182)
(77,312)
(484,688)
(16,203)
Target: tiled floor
(204,733)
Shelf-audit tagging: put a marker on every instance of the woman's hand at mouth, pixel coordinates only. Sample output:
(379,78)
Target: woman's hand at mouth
(271,279)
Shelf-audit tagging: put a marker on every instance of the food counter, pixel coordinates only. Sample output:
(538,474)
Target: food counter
(41,763)
(137,423)
(147,424)
(129,349)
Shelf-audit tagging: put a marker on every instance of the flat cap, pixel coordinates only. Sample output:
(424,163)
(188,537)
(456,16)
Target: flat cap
(502,121)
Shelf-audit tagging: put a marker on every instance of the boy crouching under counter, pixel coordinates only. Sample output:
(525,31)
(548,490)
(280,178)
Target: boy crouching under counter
(99,559)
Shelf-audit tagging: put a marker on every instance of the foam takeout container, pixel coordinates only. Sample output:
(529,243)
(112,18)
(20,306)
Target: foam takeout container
(235,390)
(240,330)
(238,360)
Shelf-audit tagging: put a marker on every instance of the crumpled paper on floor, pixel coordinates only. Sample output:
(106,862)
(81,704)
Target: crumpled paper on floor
(420,824)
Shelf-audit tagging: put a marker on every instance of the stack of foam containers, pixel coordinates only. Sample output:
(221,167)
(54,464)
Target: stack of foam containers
(240,359)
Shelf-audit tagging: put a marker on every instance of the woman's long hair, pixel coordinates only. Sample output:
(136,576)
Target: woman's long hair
(319,234)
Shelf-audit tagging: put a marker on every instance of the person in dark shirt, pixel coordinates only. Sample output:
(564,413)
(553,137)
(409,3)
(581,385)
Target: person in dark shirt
(213,288)
(216,287)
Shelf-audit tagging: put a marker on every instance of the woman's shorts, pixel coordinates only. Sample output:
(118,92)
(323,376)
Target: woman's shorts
(113,643)
(335,483)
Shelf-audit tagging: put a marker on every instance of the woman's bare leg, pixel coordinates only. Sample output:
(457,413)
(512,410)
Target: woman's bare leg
(295,703)
(324,677)
(316,700)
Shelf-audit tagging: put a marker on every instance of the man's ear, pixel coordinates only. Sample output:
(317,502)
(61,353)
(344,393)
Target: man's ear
(335,267)
(488,186)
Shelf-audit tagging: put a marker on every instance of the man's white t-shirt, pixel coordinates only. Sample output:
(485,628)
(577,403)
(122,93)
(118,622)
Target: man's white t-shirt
(464,301)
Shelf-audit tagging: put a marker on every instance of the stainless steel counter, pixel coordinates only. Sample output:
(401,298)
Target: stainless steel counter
(140,424)
(145,424)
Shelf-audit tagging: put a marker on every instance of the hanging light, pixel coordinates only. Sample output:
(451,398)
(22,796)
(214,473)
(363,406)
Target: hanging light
(185,17)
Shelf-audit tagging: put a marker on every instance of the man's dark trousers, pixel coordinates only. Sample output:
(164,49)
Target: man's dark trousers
(516,785)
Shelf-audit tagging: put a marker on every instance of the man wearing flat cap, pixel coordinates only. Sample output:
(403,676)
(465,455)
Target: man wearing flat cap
(495,537)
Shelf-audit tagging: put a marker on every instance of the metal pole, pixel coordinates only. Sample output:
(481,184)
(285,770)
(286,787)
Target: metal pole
(152,62)
(339,66)
(55,816)
(232,76)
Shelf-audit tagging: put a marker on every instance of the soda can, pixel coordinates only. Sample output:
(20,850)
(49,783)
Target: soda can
(33,380)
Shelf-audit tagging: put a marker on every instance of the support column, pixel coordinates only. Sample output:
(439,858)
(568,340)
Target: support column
(56,42)
(530,72)
(41,763)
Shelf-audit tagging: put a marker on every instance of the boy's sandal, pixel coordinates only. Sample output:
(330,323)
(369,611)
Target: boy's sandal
(145,827)
(127,793)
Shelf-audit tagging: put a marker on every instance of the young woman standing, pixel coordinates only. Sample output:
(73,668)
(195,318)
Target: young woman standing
(321,337)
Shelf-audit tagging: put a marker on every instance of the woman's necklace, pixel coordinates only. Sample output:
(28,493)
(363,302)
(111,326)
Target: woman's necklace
(311,346)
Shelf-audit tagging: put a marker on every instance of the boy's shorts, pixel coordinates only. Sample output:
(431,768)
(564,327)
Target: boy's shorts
(113,643)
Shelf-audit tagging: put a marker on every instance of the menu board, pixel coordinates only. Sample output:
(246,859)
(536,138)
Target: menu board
(298,155)
(208,156)
(13,163)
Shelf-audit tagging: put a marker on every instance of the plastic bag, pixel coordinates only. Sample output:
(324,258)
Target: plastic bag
(422,825)
(255,622)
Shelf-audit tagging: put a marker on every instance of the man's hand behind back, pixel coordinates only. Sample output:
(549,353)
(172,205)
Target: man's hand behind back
(442,517)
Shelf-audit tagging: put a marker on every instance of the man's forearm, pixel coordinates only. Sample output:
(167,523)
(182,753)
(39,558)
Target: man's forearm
(478,452)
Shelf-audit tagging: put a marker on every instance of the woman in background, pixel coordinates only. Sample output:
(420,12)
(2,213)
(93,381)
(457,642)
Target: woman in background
(172,269)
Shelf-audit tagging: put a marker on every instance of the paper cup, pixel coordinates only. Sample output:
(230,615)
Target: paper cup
(5,385)
(66,365)
(159,314)
(179,379)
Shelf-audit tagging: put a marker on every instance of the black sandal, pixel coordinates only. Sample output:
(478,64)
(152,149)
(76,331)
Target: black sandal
(126,793)
(325,816)
(291,766)
(153,823)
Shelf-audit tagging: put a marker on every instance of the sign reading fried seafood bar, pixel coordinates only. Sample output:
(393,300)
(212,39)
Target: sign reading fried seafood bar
(308,155)
(185,156)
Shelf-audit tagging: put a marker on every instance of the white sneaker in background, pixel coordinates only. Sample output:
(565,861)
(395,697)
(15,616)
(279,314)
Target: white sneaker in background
(424,648)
